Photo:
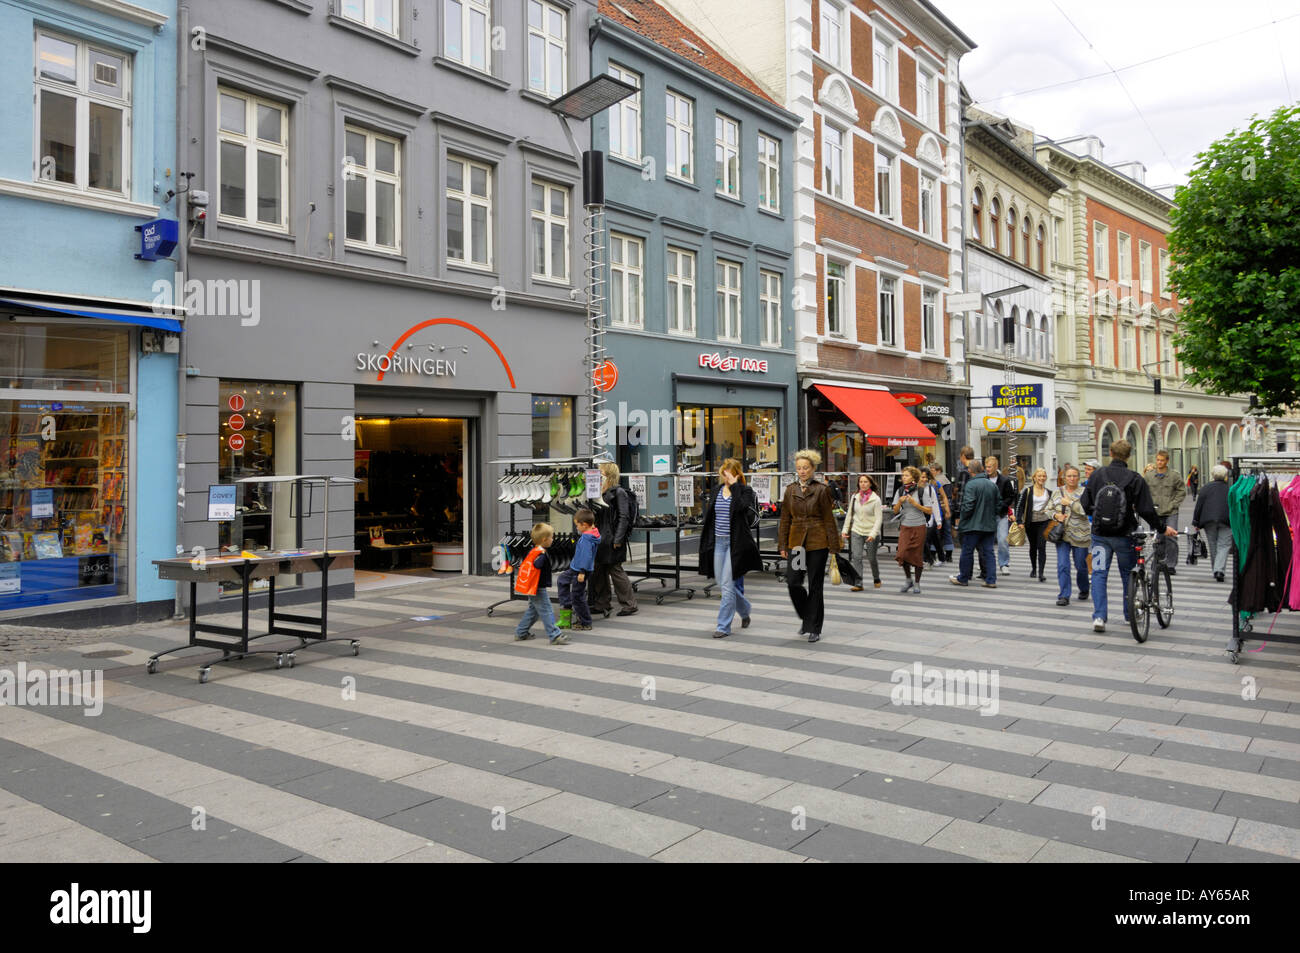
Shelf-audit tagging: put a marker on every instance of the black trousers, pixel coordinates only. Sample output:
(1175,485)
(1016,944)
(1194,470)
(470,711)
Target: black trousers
(1037,544)
(808,603)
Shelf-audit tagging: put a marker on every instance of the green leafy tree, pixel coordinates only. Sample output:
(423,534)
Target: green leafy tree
(1235,245)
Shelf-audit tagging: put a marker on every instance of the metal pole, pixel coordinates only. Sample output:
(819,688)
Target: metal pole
(182,263)
(593,202)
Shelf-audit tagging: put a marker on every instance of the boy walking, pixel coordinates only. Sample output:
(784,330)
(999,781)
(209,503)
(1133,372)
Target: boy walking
(533,579)
(574,611)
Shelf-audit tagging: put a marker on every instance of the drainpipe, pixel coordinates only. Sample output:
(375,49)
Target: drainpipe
(182,259)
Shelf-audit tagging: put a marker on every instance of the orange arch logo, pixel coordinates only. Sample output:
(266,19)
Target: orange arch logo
(415,329)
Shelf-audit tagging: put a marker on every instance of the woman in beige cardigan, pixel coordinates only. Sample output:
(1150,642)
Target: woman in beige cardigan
(863,527)
(807,536)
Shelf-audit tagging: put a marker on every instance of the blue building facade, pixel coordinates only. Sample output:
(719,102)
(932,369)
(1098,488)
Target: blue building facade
(88,339)
(700,244)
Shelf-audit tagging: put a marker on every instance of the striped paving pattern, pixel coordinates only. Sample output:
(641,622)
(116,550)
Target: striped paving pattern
(646,739)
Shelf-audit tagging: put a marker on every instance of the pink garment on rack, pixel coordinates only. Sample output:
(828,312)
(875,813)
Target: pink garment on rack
(1290,496)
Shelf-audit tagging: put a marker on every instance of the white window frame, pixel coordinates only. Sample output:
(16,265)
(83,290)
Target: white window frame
(833,160)
(1100,249)
(372,175)
(83,97)
(368,16)
(626,271)
(769,173)
(721,124)
(1105,342)
(1144,267)
(549,40)
(1127,346)
(469,201)
(928,204)
(769,307)
(617,113)
(676,129)
(891,166)
(833,14)
(930,322)
(893,292)
(1163,257)
(681,290)
(836,329)
(728,289)
(884,51)
(252,145)
(466,8)
(1124,256)
(927,96)
(548,219)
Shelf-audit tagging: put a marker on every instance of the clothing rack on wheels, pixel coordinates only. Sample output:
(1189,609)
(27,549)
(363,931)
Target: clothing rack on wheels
(1269,465)
(663,522)
(534,483)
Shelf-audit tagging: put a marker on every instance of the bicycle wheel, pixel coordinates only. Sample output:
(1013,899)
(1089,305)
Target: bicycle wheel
(1164,597)
(1139,606)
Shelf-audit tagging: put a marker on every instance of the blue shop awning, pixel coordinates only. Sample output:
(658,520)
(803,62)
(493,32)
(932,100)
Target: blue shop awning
(142,318)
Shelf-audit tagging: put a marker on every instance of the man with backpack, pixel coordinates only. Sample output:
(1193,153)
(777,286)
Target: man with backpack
(1114,498)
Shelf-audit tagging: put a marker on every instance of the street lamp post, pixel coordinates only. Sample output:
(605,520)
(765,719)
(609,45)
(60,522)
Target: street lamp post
(581,103)
(1156,384)
(1008,366)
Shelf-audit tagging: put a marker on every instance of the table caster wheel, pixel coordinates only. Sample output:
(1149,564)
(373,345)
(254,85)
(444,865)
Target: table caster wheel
(690,596)
(279,661)
(356,648)
(1233,657)
(151,666)
(203,675)
(489,613)
(292,661)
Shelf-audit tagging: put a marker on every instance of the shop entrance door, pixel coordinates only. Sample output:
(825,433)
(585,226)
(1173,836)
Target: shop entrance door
(411,506)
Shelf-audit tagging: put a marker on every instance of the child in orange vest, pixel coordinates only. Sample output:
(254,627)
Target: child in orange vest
(533,579)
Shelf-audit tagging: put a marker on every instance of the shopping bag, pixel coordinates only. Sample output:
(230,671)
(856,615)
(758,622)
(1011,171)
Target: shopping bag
(835,572)
(1016,535)
(845,568)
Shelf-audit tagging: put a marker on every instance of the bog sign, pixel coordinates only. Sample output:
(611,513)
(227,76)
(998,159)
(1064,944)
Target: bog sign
(221,502)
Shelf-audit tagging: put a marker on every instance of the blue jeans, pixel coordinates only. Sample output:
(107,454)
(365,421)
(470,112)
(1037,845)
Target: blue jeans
(539,607)
(733,598)
(1004,548)
(573,594)
(1103,548)
(1065,553)
(970,541)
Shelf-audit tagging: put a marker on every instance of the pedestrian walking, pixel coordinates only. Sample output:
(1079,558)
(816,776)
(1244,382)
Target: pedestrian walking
(1194,479)
(1115,497)
(913,507)
(959,478)
(1211,515)
(980,503)
(532,580)
(614,521)
(807,537)
(1006,499)
(1076,539)
(572,583)
(1168,490)
(934,523)
(727,546)
(943,490)
(863,527)
(1032,513)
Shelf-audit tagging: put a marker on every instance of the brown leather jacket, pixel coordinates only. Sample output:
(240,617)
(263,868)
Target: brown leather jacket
(807,519)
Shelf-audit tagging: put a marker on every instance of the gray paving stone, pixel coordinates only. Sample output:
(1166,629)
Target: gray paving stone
(1117,711)
(1229,727)
(1126,840)
(561,719)
(446,746)
(1135,785)
(777,764)
(922,795)
(835,844)
(468,828)
(220,843)
(751,822)
(1213,757)
(856,734)
(1281,768)
(1220,698)
(1084,736)
(357,793)
(748,714)
(840,696)
(576,850)
(1255,808)
(672,742)
(593,781)
(1208,852)
(1026,766)
(1114,684)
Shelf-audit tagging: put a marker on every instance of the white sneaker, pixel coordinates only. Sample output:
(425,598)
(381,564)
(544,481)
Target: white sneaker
(1098,625)
(1005,570)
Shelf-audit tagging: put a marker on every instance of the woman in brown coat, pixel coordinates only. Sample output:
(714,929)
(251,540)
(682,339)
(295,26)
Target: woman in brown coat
(807,537)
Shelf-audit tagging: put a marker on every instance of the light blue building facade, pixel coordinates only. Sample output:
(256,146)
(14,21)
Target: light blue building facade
(88,341)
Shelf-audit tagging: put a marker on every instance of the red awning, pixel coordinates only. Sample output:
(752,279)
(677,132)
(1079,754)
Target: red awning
(881,418)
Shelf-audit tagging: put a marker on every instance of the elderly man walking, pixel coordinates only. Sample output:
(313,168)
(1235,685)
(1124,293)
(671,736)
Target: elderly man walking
(1168,490)
(981,502)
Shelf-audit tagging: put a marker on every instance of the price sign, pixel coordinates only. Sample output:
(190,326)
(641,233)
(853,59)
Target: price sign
(42,503)
(637,485)
(786,480)
(763,490)
(11,578)
(221,503)
(593,484)
(685,492)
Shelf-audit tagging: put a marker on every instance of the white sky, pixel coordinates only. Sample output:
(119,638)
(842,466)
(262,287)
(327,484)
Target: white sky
(1188,99)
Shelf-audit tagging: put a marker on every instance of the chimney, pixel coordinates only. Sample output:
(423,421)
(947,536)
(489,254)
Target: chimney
(1134,170)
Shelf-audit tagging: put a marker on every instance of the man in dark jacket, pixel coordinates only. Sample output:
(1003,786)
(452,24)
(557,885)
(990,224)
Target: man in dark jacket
(1211,515)
(614,520)
(981,503)
(1137,502)
(1006,488)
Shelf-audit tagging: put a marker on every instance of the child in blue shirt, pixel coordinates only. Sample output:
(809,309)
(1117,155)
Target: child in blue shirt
(573,581)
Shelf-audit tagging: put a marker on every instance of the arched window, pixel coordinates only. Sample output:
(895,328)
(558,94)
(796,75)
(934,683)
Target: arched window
(1044,348)
(976,212)
(1018,336)
(1042,265)
(1108,436)
(995,212)
(995,326)
(1024,241)
(1011,231)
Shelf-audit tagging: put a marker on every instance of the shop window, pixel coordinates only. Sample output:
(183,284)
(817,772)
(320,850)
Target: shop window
(706,436)
(64,465)
(258,436)
(552,427)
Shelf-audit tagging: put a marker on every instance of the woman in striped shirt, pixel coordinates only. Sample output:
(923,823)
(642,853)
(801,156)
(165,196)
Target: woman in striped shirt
(727,546)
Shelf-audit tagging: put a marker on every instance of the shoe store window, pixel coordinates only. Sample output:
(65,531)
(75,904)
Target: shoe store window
(553,436)
(709,435)
(258,436)
(65,456)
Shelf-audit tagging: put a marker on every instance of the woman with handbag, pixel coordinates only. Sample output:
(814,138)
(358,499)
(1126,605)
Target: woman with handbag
(727,547)
(934,522)
(913,510)
(863,527)
(1071,532)
(807,532)
(1032,516)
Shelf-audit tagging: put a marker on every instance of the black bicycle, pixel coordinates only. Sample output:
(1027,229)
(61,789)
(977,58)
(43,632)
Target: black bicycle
(1149,590)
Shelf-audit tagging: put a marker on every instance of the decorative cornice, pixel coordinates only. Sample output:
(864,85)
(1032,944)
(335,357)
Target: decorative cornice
(217,42)
(368,92)
(446,119)
(126,11)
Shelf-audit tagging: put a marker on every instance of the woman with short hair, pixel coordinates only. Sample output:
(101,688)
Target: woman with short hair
(1211,515)
(807,537)
(1074,545)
